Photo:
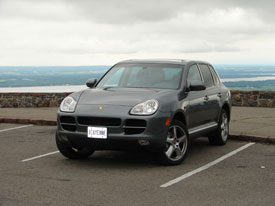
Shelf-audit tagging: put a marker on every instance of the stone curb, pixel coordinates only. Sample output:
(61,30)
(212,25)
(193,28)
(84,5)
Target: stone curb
(261,139)
(241,137)
(29,121)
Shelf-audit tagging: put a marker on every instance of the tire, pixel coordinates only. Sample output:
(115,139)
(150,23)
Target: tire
(220,136)
(72,153)
(177,145)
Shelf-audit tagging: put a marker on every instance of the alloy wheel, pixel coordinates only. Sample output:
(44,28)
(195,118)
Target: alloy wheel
(176,143)
(224,127)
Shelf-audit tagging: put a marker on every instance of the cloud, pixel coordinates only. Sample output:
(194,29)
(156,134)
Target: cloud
(35,10)
(88,32)
(125,11)
(131,12)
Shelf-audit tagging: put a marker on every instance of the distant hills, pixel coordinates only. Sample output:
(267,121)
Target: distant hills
(27,76)
(249,72)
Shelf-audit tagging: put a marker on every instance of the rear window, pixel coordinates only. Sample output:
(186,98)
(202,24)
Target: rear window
(207,76)
(214,75)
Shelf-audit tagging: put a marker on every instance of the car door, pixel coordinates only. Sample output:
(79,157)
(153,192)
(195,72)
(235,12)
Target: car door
(196,105)
(218,92)
(212,99)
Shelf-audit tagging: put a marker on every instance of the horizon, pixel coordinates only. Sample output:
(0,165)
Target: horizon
(103,65)
(233,75)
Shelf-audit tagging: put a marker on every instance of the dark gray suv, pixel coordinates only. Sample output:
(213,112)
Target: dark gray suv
(157,105)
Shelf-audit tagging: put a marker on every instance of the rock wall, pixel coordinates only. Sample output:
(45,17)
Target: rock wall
(253,98)
(8,100)
(239,98)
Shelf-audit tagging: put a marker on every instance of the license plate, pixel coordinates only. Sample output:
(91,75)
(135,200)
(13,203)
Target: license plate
(97,132)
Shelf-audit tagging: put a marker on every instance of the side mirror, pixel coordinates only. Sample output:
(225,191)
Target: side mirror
(197,86)
(91,82)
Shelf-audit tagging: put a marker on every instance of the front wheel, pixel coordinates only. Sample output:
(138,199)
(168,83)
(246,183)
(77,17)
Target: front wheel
(220,136)
(72,152)
(177,144)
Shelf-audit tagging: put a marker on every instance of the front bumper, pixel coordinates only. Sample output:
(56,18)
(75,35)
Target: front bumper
(123,130)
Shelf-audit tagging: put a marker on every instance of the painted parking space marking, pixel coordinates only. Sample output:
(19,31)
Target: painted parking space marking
(210,164)
(13,128)
(40,156)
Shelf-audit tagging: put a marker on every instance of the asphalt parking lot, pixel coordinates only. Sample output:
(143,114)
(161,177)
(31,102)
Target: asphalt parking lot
(32,172)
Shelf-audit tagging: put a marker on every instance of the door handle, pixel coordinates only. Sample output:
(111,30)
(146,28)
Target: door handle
(206,98)
(219,94)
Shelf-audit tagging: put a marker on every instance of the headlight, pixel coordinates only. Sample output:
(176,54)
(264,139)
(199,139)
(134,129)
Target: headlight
(68,105)
(146,108)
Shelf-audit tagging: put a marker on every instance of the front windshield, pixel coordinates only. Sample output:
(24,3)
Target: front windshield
(163,76)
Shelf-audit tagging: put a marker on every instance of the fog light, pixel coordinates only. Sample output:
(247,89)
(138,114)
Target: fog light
(143,142)
(63,138)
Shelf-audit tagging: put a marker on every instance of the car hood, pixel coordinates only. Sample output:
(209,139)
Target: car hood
(116,96)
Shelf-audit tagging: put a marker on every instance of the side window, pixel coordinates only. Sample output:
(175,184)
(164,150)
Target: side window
(208,79)
(214,75)
(193,74)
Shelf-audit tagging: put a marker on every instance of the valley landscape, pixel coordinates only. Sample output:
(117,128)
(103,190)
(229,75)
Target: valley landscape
(241,77)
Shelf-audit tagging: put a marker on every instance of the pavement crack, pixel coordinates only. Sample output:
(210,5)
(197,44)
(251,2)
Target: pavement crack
(40,177)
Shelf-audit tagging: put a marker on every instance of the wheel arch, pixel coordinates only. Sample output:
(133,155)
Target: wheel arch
(226,107)
(180,116)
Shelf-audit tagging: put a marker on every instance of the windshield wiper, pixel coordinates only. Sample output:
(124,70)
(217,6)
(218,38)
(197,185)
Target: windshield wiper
(106,88)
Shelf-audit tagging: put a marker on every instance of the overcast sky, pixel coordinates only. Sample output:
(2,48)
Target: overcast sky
(90,32)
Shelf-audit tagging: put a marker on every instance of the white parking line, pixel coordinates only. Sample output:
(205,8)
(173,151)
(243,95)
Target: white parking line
(13,128)
(210,164)
(39,156)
